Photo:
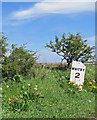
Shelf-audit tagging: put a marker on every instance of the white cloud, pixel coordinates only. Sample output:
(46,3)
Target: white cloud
(52,8)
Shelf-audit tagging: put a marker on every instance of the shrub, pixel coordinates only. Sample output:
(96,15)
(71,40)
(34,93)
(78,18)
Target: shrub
(19,62)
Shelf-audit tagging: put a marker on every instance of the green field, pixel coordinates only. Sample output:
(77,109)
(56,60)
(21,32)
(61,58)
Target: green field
(46,93)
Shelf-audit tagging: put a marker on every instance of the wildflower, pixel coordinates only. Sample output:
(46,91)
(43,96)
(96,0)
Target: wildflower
(93,80)
(57,111)
(80,85)
(90,82)
(94,87)
(69,83)
(73,82)
(35,88)
(7,86)
(9,99)
(0,88)
(28,84)
(89,101)
(91,86)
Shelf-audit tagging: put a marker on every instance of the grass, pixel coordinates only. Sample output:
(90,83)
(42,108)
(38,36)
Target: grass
(47,94)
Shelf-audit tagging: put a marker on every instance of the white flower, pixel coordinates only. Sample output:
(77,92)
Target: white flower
(7,86)
(0,88)
(57,111)
(89,101)
(93,80)
(35,88)
(28,84)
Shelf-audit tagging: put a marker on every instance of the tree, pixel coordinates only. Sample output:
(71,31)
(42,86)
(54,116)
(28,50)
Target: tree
(3,47)
(72,48)
(19,61)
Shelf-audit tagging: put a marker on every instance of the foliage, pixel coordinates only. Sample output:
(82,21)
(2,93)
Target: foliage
(19,62)
(40,72)
(3,46)
(72,48)
(46,93)
(22,101)
(53,97)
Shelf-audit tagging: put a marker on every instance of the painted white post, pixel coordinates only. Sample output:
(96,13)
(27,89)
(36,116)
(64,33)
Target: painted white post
(77,73)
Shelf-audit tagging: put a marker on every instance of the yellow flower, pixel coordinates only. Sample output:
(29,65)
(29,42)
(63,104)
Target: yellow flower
(73,82)
(94,87)
(69,83)
(90,82)
(9,99)
(91,86)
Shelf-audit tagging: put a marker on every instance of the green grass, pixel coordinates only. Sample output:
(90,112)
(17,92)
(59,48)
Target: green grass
(54,97)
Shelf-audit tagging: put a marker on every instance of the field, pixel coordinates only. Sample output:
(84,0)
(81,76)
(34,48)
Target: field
(48,93)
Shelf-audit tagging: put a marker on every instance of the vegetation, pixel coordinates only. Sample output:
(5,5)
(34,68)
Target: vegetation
(51,97)
(28,90)
(3,47)
(72,48)
(19,62)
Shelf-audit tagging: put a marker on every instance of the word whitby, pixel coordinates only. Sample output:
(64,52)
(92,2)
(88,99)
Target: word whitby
(79,69)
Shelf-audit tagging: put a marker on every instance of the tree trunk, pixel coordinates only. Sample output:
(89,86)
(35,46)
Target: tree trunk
(68,65)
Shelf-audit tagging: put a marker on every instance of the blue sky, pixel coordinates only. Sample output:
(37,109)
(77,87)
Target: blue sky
(37,23)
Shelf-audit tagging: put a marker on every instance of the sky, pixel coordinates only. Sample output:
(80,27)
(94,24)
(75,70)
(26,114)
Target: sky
(36,23)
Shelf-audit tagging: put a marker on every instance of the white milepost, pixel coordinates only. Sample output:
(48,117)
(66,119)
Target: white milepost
(77,73)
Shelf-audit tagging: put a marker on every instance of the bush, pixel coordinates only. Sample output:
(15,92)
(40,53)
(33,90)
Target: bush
(19,62)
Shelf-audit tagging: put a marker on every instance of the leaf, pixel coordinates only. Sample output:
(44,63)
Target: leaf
(72,47)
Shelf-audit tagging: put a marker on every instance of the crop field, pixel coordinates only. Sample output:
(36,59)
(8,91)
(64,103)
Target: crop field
(47,93)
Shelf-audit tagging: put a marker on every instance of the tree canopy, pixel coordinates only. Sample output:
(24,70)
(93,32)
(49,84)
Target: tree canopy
(71,48)
(19,61)
(3,46)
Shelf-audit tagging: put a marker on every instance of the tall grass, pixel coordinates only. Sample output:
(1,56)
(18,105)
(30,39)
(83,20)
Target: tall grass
(45,93)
